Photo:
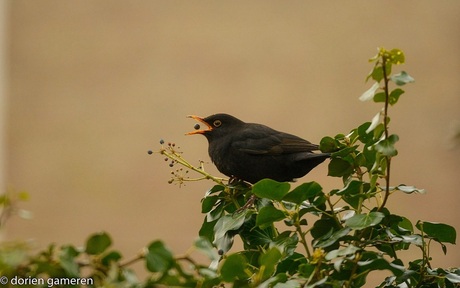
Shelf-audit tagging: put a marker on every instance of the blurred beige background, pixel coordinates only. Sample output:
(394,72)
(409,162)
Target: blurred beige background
(92,85)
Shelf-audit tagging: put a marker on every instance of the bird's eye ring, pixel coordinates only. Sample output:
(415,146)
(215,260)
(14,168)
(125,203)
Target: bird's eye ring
(217,123)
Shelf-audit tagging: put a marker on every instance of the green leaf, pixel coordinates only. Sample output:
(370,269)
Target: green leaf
(439,231)
(338,168)
(369,93)
(379,97)
(364,136)
(348,250)
(453,278)
(271,189)
(344,152)
(269,260)
(328,144)
(208,203)
(386,146)
(98,243)
(377,73)
(214,189)
(361,221)
(286,242)
(323,228)
(372,261)
(234,268)
(402,78)
(328,240)
(352,193)
(204,246)
(306,269)
(303,192)
(224,243)
(207,229)
(410,189)
(68,262)
(291,264)
(397,56)
(394,96)
(254,236)
(267,215)
(158,258)
(229,222)
(113,256)
(216,212)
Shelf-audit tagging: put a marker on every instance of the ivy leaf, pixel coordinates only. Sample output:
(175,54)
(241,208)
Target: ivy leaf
(229,222)
(203,245)
(234,268)
(267,215)
(224,243)
(214,189)
(338,167)
(386,146)
(303,192)
(361,221)
(374,123)
(394,96)
(208,203)
(369,94)
(410,189)
(68,261)
(158,257)
(271,189)
(453,278)
(98,243)
(402,78)
(328,144)
(352,193)
(379,97)
(269,260)
(328,240)
(397,56)
(439,231)
(112,256)
(348,250)
(376,73)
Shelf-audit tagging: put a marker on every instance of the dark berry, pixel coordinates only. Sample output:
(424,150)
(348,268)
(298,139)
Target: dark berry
(197,126)
(162,141)
(150,152)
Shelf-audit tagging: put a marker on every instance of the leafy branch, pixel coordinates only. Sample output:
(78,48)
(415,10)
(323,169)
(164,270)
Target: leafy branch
(172,153)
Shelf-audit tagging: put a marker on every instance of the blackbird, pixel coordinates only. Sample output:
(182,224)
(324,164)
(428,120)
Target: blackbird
(252,152)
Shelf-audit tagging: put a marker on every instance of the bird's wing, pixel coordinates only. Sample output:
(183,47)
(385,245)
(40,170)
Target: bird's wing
(266,141)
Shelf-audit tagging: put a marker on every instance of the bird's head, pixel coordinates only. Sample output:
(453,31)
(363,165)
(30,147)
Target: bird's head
(217,125)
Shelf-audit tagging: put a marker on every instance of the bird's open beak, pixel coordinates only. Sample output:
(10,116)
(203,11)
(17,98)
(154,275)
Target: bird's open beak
(202,121)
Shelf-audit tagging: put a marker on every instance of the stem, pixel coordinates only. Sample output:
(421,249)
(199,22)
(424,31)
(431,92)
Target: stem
(173,155)
(333,214)
(385,124)
(138,257)
(302,240)
(353,271)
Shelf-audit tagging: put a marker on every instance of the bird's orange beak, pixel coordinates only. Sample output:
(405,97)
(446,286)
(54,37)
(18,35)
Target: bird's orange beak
(202,121)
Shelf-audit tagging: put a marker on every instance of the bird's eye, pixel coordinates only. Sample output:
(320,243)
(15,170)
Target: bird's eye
(217,123)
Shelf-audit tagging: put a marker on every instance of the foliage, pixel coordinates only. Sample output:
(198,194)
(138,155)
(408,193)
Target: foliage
(292,237)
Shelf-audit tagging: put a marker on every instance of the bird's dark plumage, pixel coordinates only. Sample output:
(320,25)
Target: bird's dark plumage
(252,152)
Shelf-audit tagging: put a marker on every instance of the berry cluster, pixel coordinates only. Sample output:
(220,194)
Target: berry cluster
(180,175)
